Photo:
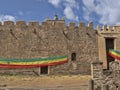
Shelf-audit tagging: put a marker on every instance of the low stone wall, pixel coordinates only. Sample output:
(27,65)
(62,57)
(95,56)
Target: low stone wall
(105,79)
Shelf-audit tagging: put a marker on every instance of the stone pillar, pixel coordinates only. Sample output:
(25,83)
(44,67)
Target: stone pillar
(102,51)
(116,46)
(39,70)
(91,85)
(96,69)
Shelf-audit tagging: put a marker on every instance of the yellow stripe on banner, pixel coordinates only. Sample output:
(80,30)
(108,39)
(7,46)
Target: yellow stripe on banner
(38,62)
(114,53)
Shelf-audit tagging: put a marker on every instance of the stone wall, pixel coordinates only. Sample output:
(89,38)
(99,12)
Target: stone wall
(51,38)
(102,79)
(81,40)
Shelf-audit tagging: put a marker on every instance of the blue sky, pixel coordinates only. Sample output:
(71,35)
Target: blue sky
(97,11)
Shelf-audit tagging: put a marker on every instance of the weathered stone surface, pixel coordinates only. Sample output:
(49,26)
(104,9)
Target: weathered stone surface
(51,38)
(106,79)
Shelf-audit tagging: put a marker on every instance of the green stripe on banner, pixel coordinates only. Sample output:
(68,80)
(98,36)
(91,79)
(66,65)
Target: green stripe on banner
(112,50)
(31,66)
(114,53)
(32,60)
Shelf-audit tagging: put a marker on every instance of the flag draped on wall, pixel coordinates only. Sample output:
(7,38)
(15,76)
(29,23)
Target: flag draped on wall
(114,53)
(31,63)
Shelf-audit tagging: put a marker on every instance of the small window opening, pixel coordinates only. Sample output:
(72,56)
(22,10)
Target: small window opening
(44,70)
(10,30)
(73,56)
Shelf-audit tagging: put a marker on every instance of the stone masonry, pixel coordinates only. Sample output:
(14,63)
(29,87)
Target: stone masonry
(55,38)
(103,79)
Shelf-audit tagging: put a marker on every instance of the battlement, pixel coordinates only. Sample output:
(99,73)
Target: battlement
(57,23)
(20,24)
(46,24)
(108,29)
(9,24)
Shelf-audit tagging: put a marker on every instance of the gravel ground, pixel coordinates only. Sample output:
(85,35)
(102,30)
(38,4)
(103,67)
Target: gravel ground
(74,82)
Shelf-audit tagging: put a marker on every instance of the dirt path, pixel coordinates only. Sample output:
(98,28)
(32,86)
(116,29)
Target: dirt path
(74,82)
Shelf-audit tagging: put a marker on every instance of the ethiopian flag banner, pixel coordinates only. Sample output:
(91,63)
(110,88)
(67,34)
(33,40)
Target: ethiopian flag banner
(114,53)
(31,63)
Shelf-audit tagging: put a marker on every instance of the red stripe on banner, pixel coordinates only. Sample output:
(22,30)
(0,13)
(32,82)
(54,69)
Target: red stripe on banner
(114,56)
(31,66)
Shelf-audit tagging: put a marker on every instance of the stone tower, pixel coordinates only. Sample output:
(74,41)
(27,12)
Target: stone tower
(108,38)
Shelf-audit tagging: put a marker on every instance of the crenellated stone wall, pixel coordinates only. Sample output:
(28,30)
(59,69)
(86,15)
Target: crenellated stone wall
(51,38)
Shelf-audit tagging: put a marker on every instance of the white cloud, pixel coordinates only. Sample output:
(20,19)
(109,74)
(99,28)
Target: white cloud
(69,6)
(89,4)
(55,2)
(108,10)
(70,14)
(71,3)
(6,18)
